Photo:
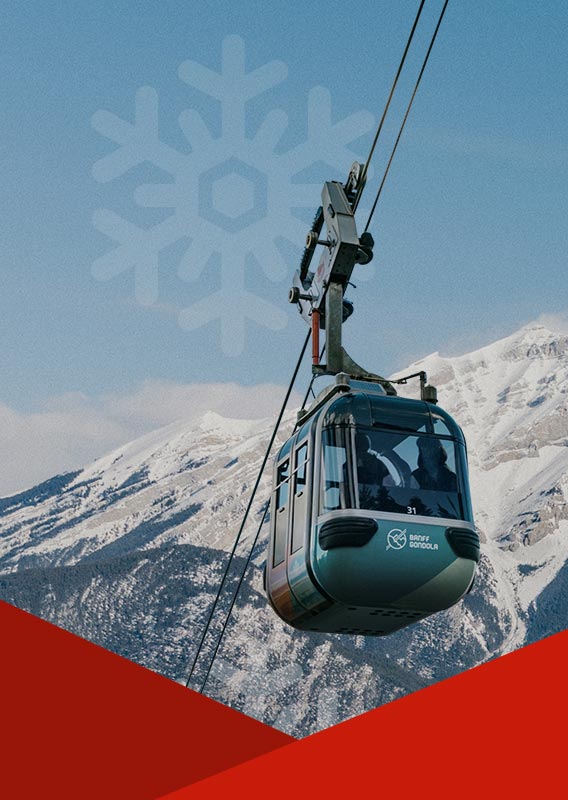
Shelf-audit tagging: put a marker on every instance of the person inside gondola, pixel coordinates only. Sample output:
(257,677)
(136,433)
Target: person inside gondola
(432,471)
(370,469)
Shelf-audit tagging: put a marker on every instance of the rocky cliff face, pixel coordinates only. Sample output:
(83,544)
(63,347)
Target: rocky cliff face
(129,551)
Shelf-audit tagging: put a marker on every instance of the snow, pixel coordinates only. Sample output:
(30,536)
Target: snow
(188,485)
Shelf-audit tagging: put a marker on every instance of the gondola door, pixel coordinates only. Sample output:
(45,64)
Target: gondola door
(305,595)
(280,513)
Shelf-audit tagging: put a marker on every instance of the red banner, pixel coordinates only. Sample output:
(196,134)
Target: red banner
(80,722)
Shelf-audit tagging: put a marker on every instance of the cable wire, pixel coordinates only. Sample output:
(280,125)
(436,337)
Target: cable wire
(248,508)
(245,568)
(314,376)
(380,127)
(234,599)
(406,114)
(296,370)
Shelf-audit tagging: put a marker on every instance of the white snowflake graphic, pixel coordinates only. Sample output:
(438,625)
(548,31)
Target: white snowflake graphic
(232,196)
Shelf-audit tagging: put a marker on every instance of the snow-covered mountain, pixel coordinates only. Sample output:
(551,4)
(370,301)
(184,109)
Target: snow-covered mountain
(129,551)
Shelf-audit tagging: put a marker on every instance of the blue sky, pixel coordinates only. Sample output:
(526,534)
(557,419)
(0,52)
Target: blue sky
(471,239)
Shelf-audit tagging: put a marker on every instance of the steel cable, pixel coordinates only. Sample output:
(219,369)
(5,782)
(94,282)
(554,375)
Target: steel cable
(385,112)
(248,508)
(406,114)
(296,370)
(234,598)
(251,551)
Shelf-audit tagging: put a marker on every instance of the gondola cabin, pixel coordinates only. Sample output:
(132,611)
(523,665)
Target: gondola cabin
(371,526)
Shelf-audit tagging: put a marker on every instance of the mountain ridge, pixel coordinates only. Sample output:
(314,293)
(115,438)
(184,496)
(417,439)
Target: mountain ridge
(135,543)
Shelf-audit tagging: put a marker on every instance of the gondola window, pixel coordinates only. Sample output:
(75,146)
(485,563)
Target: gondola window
(282,494)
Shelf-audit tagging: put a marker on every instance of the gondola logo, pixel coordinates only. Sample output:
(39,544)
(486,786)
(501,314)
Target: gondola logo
(396,539)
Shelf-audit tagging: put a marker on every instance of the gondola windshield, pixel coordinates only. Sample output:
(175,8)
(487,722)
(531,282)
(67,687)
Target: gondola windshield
(402,473)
